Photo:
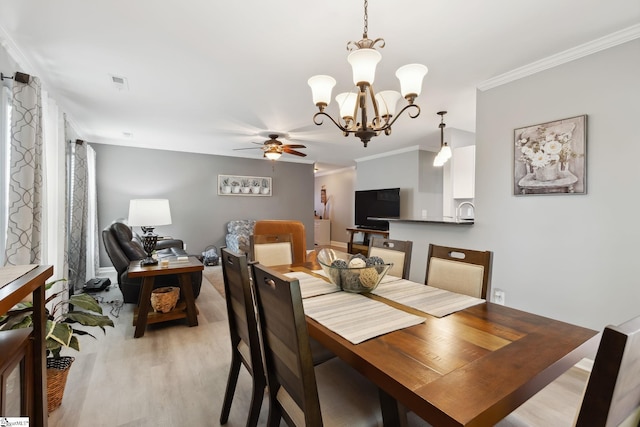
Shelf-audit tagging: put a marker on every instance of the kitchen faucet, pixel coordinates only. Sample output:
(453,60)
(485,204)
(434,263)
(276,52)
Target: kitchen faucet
(459,210)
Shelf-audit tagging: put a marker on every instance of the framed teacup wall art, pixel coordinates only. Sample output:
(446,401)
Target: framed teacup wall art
(550,158)
(237,185)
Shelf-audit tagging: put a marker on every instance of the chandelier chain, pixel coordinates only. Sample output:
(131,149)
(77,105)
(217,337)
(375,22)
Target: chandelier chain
(366,19)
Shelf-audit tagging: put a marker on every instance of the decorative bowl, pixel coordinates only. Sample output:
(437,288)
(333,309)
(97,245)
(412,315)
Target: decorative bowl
(360,279)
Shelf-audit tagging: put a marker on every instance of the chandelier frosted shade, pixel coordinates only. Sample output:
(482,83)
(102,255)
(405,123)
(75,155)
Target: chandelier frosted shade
(363,63)
(347,103)
(410,77)
(387,102)
(321,87)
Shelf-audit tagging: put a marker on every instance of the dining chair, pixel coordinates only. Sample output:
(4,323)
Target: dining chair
(297,230)
(331,393)
(396,251)
(612,393)
(272,249)
(243,329)
(464,271)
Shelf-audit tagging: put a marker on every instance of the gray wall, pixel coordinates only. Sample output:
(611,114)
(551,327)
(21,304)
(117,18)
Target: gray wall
(420,183)
(340,186)
(189,181)
(569,257)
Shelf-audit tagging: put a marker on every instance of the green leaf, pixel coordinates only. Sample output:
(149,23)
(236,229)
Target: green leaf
(74,343)
(60,332)
(89,319)
(86,302)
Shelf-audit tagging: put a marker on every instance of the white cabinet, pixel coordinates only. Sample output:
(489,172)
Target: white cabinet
(464,172)
(322,232)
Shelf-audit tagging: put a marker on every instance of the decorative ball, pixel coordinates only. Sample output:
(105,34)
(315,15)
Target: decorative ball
(360,256)
(369,277)
(357,263)
(374,260)
(339,263)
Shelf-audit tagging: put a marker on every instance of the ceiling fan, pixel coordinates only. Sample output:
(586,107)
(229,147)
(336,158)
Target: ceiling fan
(273,148)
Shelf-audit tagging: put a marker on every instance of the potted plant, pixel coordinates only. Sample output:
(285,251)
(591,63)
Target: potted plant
(246,186)
(255,186)
(235,186)
(61,332)
(226,188)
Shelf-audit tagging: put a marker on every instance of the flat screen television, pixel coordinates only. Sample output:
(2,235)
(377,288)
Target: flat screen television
(383,203)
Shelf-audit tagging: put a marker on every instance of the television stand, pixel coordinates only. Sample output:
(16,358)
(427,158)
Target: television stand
(362,247)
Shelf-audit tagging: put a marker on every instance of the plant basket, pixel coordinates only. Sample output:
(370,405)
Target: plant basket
(165,299)
(57,371)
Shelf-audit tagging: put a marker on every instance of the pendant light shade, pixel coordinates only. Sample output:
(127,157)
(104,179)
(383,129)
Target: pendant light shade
(387,102)
(445,151)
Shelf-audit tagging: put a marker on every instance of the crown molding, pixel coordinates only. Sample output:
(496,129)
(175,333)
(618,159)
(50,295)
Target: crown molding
(334,171)
(606,42)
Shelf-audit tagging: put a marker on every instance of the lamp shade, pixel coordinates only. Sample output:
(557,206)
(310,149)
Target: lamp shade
(347,103)
(321,87)
(363,63)
(410,77)
(446,152)
(149,212)
(387,101)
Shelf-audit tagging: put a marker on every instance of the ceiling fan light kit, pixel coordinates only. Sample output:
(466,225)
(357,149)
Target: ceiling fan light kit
(273,149)
(355,106)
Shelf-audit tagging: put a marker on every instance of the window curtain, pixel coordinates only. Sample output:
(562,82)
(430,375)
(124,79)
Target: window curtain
(24,219)
(79,223)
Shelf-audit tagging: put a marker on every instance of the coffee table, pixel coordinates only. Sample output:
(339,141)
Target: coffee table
(186,307)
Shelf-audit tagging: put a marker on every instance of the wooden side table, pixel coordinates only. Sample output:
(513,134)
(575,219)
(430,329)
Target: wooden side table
(186,307)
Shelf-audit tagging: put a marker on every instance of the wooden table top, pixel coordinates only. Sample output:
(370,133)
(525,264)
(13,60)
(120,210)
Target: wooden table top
(175,267)
(470,368)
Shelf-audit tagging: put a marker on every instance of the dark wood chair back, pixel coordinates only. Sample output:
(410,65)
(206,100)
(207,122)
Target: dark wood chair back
(396,251)
(613,391)
(464,271)
(272,249)
(288,359)
(243,329)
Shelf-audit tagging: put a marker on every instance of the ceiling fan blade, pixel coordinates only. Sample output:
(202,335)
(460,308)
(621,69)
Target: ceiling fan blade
(296,146)
(294,152)
(248,148)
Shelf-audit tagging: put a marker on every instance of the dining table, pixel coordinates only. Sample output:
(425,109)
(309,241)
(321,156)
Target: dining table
(470,367)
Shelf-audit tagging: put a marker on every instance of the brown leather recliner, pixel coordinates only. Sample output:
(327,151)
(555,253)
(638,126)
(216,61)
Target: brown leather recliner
(124,246)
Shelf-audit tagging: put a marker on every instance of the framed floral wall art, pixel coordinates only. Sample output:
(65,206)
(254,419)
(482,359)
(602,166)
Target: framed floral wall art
(236,185)
(550,158)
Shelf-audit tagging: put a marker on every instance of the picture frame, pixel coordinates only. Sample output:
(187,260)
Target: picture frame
(550,157)
(240,185)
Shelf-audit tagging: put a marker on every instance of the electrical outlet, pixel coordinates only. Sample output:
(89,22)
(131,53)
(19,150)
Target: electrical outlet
(498,296)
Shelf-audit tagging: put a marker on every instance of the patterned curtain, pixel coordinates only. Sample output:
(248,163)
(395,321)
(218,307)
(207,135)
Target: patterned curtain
(78,220)
(24,221)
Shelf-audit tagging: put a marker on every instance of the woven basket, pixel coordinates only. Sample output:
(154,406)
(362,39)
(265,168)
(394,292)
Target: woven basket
(165,299)
(57,371)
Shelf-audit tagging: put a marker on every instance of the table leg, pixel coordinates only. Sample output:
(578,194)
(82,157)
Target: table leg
(187,294)
(144,305)
(393,412)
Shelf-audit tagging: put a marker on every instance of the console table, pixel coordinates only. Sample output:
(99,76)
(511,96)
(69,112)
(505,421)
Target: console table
(363,246)
(24,349)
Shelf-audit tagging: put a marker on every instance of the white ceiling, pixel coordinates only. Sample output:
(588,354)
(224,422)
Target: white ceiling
(211,76)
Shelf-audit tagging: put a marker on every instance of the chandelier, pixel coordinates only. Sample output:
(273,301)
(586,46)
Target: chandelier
(445,151)
(355,106)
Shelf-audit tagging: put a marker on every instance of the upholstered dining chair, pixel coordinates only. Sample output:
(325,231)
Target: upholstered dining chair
(272,249)
(243,329)
(396,251)
(463,271)
(332,393)
(297,230)
(612,393)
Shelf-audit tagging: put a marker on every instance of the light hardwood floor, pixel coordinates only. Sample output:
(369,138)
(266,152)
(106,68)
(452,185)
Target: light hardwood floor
(173,375)
(176,375)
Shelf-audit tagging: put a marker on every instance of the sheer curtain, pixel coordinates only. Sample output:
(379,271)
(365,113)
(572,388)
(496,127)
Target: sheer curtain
(24,219)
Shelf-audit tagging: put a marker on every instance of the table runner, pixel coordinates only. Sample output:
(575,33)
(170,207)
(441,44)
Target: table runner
(434,301)
(311,286)
(356,317)
(11,272)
